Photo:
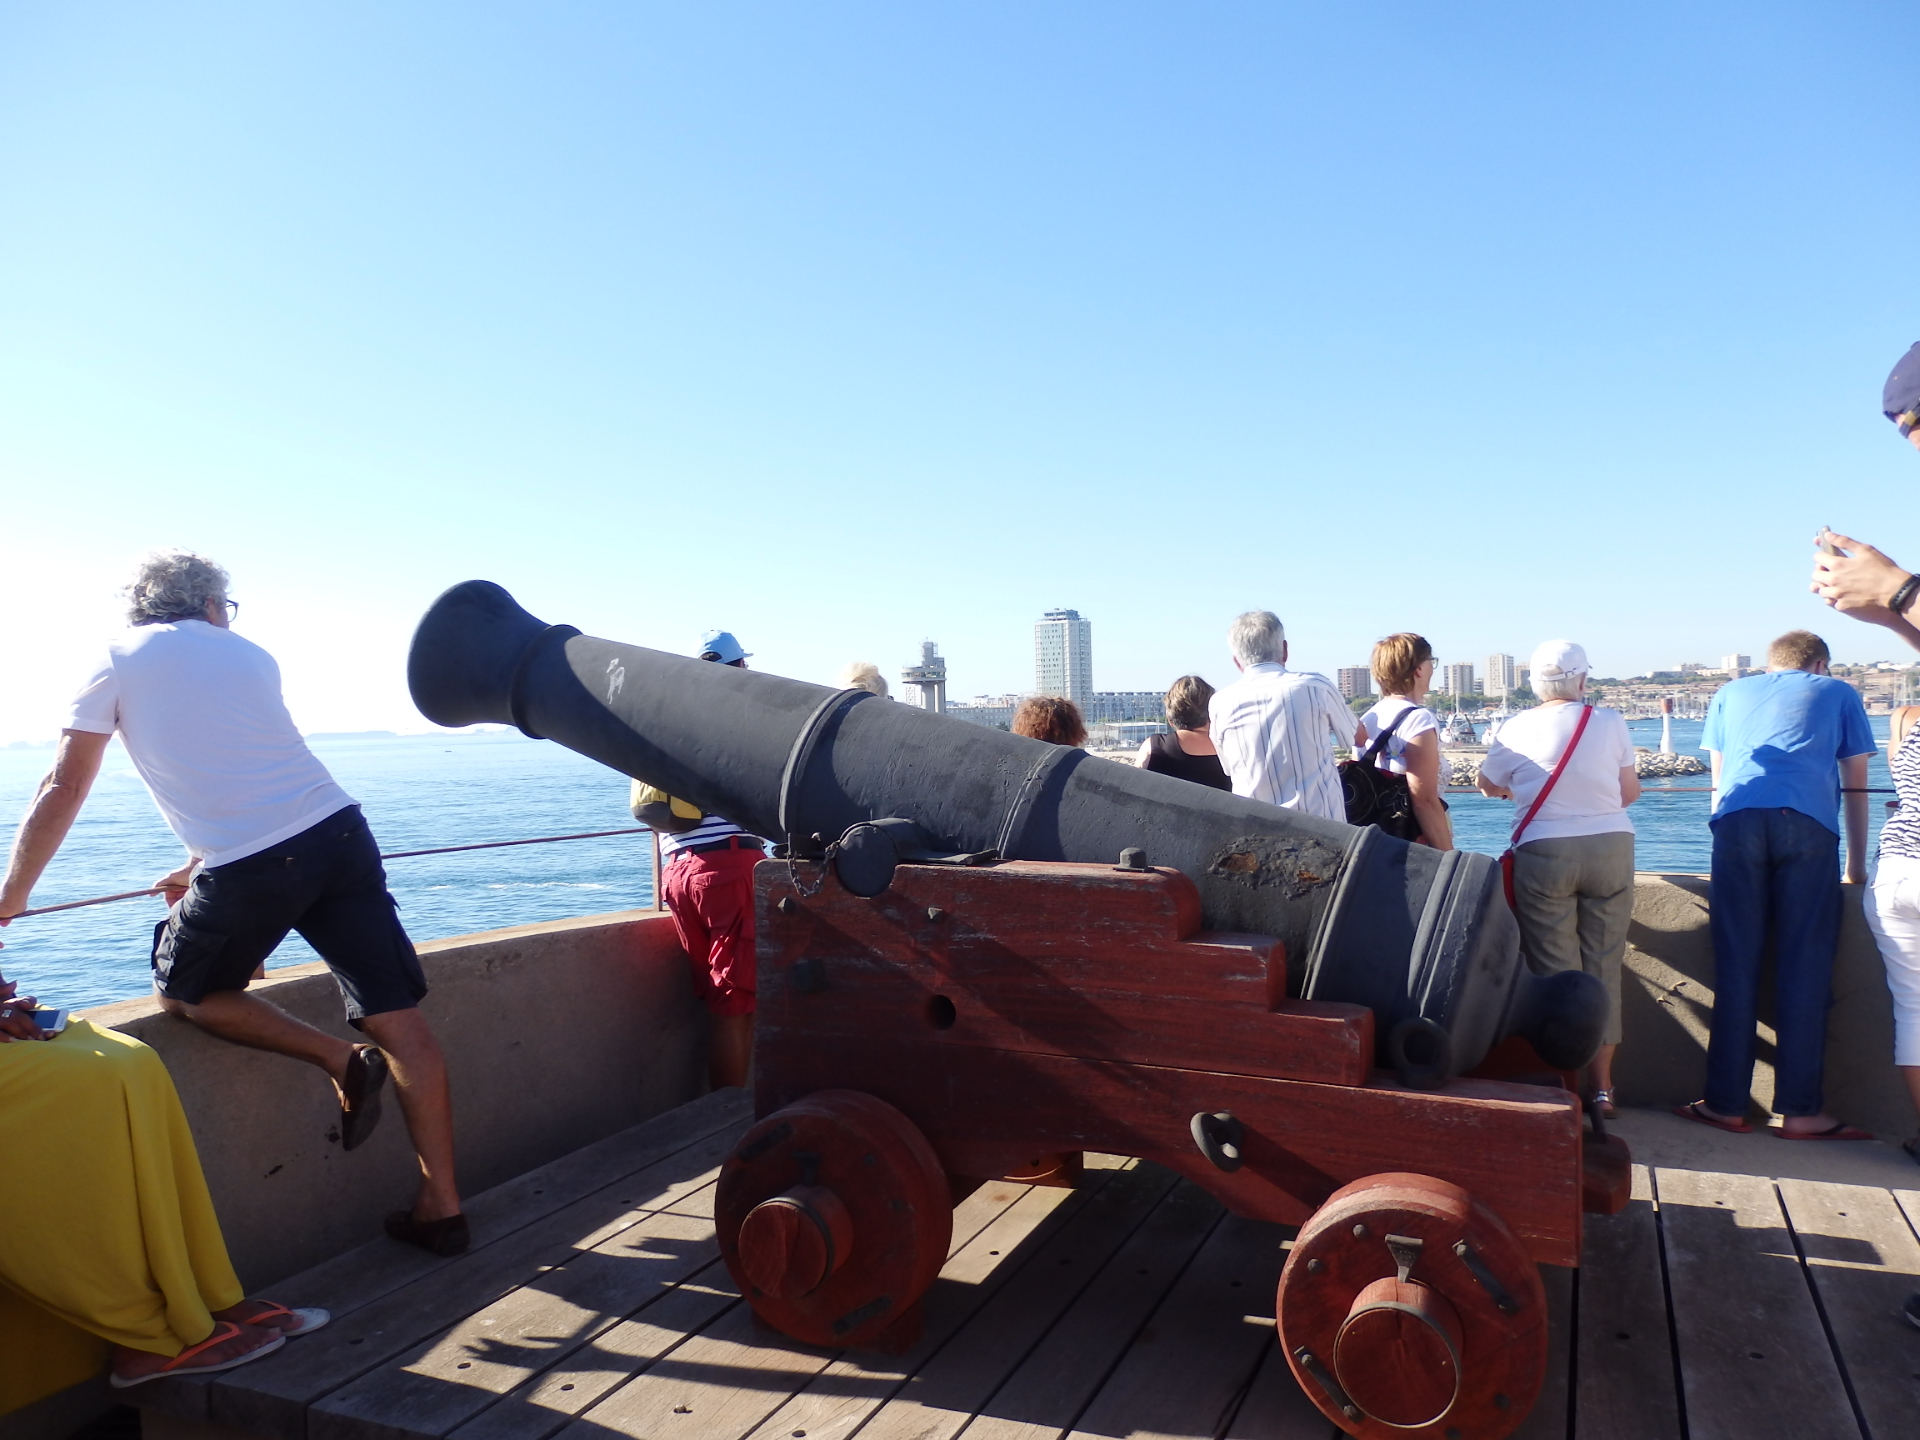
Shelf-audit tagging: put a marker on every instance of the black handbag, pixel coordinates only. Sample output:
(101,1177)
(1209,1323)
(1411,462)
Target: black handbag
(1379,797)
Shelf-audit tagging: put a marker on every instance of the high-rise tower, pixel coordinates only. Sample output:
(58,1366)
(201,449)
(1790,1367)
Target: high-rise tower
(1063,656)
(926,683)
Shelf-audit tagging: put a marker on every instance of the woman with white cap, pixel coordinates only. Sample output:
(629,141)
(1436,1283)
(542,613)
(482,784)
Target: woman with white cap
(1569,770)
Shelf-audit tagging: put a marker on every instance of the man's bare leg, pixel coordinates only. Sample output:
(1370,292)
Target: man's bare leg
(246,1020)
(730,1050)
(420,1080)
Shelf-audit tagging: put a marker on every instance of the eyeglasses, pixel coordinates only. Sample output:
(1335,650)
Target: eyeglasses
(233,608)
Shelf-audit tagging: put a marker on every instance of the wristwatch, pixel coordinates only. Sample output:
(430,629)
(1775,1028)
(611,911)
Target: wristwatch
(1902,600)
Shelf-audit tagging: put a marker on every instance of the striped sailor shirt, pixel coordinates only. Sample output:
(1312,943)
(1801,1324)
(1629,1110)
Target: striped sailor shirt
(1275,730)
(710,829)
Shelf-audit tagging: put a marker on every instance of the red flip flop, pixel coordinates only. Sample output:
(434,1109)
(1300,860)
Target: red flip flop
(1694,1113)
(182,1364)
(1839,1130)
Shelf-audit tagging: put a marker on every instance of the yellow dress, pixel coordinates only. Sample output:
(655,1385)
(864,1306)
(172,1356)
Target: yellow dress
(107,1232)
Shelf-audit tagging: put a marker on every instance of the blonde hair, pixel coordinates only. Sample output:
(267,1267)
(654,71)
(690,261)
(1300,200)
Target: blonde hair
(1797,650)
(1396,660)
(863,675)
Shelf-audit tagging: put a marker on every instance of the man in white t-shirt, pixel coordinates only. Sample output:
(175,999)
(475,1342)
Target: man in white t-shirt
(277,845)
(1276,728)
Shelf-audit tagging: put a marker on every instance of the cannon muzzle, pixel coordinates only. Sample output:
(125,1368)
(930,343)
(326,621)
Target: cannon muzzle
(1421,937)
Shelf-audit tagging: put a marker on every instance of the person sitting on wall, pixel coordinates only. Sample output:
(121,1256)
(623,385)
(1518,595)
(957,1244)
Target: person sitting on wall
(277,845)
(708,887)
(1188,752)
(1052,718)
(1276,728)
(107,1233)
(1783,745)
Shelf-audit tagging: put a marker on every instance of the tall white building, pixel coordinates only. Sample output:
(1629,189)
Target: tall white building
(1736,665)
(1499,674)
(1355,681)
(1063,656)
(1460,680)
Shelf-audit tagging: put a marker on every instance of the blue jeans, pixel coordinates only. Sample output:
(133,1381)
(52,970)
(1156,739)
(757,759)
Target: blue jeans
(1773,868)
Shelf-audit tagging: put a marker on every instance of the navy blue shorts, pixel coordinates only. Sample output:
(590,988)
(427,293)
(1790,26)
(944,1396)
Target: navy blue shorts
(327,883)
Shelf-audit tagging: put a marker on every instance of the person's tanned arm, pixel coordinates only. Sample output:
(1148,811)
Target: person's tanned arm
(50,815)
(1853,780)
(1859,582)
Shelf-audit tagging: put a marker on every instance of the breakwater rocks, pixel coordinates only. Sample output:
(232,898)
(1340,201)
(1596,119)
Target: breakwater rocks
(1463,768)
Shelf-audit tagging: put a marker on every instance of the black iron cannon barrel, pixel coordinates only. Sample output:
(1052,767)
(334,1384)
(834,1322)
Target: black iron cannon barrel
(1423,938)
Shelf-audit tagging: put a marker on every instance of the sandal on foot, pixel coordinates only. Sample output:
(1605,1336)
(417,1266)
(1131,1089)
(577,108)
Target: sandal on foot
(182,1364)
(1602,1100)
(445,1238)
(1839,1130)
(1694,1113)
(274,1316)
(360,1095)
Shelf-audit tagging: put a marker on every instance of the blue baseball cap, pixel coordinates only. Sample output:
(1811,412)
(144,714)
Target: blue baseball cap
(1902,393)
(720,645)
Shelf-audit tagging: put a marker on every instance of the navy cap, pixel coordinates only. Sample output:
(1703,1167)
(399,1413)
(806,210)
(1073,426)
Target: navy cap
(720,645)
(1902,395)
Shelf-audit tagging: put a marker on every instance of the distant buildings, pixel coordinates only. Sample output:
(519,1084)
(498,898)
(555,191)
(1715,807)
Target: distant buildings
(1736,665)
(1500,674)
(994,710)
(1063,656)
(1355,681)
(1460,681)
(925,684)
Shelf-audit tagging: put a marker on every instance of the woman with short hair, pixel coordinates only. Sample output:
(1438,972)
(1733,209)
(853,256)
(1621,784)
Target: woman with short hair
(1573,860)
(1402,667)
(1052,718)
(1187,752)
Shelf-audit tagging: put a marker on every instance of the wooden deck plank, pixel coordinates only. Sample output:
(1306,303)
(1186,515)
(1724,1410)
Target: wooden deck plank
(1547,1420)
(551,1399)
(554,1397)
(1754,1358)
(843,1395)
(1864,1261)
(718,1385)
(1623,1346)
(270,1397)
(436,1386)
(1277,1409)
(1140,1220)
(1189,1365)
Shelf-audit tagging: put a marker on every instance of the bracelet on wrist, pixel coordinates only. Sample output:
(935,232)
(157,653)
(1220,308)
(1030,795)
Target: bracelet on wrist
(1902,600)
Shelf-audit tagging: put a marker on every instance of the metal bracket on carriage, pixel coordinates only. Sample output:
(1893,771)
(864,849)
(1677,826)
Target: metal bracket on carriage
(1221,1138)
(1489,1282)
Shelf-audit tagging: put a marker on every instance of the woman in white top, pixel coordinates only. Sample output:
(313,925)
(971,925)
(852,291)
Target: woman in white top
(1403,669)
(1573,864)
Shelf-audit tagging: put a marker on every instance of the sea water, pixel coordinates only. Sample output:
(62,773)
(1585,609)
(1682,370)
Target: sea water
(422,791)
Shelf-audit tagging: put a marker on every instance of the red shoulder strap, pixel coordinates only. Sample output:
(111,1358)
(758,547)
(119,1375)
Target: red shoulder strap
(1579,729)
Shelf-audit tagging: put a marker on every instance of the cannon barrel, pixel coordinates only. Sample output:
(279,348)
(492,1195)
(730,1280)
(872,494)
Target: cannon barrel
(1422,937)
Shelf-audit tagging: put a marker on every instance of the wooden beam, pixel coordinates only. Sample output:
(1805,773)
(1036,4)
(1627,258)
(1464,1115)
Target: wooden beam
(1623,1345)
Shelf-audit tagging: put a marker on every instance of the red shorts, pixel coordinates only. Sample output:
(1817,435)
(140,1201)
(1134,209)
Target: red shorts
(711,897)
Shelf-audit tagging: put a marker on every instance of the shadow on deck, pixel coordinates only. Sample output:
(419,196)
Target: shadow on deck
(1719,1304)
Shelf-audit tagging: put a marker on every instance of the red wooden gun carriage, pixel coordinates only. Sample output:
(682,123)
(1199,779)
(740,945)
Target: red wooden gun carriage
(975,1022)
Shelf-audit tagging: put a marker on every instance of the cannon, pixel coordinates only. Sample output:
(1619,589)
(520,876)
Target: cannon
(1423,939)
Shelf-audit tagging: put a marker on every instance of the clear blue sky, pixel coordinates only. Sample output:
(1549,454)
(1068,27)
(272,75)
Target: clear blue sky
(845,325)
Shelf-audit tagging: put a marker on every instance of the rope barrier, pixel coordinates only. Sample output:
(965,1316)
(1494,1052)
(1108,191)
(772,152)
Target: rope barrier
(396,855)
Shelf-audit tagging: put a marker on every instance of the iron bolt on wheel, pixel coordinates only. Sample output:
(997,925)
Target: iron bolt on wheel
(1408,1309)
(834,1217)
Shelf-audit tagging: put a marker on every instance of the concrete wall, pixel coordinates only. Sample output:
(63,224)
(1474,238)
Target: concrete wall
(556,1035)
(1667,1004)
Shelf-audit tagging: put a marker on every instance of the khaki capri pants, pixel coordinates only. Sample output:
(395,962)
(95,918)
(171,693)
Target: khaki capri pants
(1573,898)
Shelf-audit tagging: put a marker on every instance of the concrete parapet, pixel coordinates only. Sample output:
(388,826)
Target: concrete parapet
(556,1035)
(1667,1003)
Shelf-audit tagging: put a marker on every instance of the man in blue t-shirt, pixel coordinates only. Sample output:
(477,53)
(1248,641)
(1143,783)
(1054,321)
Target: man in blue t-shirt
(1783,744)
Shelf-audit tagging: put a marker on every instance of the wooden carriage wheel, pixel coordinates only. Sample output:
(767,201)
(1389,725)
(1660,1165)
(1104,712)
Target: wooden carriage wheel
(834,1217)
(1408,1309)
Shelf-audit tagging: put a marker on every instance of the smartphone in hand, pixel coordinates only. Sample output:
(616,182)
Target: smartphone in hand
(50,1021)
(1824,540)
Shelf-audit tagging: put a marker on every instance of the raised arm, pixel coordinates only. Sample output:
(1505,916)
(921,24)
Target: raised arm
(1861,582)
(50,814)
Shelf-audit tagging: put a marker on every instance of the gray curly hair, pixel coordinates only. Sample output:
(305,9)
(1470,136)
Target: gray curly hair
(173,585)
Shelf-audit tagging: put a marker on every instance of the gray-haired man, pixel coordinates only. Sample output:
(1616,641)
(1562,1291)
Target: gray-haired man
(1275,728)
(278,847)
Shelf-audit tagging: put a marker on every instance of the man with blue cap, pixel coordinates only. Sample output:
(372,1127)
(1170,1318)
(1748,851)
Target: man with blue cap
(1857,580)
(708,886)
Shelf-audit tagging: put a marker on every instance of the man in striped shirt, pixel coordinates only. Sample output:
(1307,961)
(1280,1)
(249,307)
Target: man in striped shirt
(708,885)
(1275,728)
